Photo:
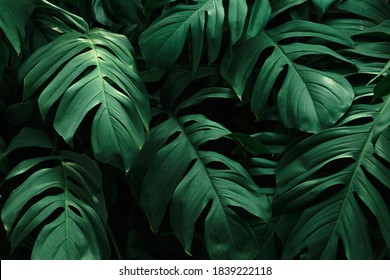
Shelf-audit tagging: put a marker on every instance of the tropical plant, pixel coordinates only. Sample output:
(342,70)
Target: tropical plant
(204,129)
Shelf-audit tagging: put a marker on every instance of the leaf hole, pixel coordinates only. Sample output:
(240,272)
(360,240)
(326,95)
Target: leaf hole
(334,167)
(75,182)
(373,180)
(75,210)
(52,216)
(222,145)
(106,48)
(19,155)
(216,165)
(198,243)
(382,160)
(325,194)
(278,84)
(340,255)
(302,255)
(265,54)
(359,121)
(189,167)
(264,180)
(376,235)
(158,119)
(36,198)
(367,99)
(117,87)
(186,92)
(188,123)
(383,190)
(371,219)
(172,137)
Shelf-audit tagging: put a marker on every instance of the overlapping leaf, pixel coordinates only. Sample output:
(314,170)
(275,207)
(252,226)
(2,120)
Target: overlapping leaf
(84,71)
(154,4)
(308,99)
(377,10)
(374,49)
(279,6)
(176,173)
(321,6)
(359,157)
(63,201)
(118,11)
(54,21)
(260,14)
(383,87)
(13,19)
(202,20)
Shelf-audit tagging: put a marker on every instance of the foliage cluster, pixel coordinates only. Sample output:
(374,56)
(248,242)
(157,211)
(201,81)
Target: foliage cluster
(195,129)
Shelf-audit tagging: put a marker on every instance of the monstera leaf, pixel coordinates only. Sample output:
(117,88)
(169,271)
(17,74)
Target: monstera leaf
(204,19)
(118,11)
(279,6)
(176,173)
(356,152)
(378,10)
(54,21)
(308,99)
(321,6)
(383,87)
(64,195)
(13,19)
(87,71)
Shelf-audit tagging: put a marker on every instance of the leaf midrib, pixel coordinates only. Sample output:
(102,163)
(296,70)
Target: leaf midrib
(356,169)
(101,79)
(189,20)
(291,65)
(66,201)
(196,153)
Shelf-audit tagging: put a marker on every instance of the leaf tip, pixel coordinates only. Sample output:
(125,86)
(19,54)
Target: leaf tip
(188,253)
(153,230)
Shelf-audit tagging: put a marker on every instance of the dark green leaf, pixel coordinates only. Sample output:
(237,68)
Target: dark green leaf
(18,113)
(13,18)
(249,143)
(95,70)
(382,88)
(170,31)
(55,21)
(358,153)
(350,26)
(321,6)
(155,4)
(260,15)
(78,230)
(301,101)
(28,137)
(118,11)
(179,173)
(377,10)
(279,6)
